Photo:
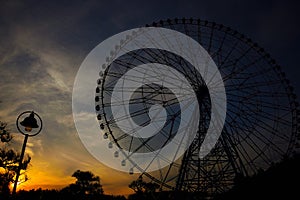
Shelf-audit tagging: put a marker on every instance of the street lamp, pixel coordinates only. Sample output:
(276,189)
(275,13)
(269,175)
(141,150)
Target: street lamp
(29,126)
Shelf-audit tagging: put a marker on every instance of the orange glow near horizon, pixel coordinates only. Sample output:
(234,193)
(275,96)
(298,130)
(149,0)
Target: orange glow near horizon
(113,182)
(108,188)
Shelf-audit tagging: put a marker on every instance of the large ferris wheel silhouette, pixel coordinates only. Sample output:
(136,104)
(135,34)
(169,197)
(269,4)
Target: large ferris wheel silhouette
(190,104)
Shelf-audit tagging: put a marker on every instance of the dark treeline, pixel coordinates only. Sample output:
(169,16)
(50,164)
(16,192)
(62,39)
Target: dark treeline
(280,181)
(86,187)
(40,194)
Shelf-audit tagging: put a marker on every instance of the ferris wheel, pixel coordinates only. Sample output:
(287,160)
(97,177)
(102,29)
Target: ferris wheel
(143,104)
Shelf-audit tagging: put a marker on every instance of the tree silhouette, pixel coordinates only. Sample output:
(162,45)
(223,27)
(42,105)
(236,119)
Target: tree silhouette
(140,186)
(87,185)
(9,160)
(143,189)
(137,185)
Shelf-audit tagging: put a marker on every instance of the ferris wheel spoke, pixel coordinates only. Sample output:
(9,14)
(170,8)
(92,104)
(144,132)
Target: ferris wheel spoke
(229,53)
(251,85)
(210,40)
(268,141)
(266,127)
(234,69)
(219,51)
(269,129)
(259,152)
(257,104)
(241,68)
(243,158)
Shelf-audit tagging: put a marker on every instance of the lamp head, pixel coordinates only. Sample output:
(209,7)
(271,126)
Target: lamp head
(29,122)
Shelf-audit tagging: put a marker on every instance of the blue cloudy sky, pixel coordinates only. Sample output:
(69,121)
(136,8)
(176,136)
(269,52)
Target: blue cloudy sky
(42,44)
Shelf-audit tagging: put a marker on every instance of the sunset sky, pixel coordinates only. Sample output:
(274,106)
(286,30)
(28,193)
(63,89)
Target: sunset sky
(43,43)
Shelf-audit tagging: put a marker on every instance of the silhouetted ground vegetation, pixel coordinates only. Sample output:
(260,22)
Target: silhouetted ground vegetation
(40,194)
(280,181)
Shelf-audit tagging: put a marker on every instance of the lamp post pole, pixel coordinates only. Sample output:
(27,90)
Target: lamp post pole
(20,164)
(27,125)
